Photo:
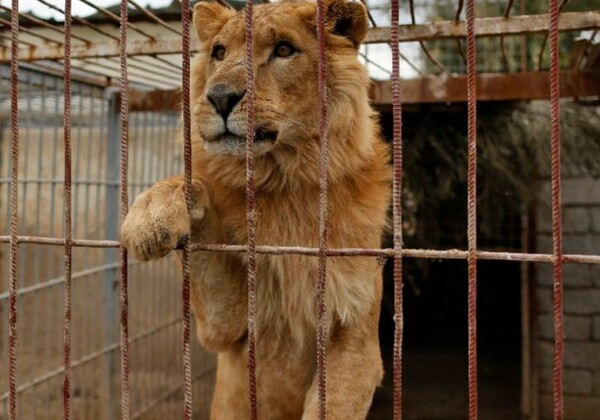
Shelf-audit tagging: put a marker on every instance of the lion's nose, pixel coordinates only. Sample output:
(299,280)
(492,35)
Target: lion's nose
(224,98)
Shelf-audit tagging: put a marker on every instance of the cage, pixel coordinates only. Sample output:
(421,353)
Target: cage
(116,72)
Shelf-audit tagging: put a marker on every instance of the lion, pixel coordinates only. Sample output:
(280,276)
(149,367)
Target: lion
(287,205)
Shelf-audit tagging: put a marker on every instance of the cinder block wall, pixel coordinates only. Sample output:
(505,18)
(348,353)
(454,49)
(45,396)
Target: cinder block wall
(581,234)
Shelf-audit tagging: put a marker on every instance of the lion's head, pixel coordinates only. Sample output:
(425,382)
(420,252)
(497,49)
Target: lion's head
(286,84)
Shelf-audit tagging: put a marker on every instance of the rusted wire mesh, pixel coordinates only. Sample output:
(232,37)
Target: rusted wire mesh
(398,252)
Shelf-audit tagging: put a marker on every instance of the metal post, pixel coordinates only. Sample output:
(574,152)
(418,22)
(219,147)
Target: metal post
(111,255)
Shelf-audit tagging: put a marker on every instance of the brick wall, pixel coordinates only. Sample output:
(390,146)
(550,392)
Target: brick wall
(581,233)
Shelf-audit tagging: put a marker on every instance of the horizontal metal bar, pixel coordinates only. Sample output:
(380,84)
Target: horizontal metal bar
(59,280)
(169,394)
(85,243)
(333,252)
(493,26)
(431,89)
(490,87)
(58,181)
(89,357)
(406,252)
(573,21)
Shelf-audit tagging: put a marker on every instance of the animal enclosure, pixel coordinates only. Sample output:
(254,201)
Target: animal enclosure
(90,117)
(154,310)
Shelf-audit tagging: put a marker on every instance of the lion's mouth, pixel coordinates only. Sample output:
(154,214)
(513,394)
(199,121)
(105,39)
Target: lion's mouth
(261,135)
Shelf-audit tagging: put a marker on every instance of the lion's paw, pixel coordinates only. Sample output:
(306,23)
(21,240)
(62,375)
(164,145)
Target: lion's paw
(157,222)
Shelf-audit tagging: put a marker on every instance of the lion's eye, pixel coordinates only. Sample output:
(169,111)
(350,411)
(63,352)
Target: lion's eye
(218,52)
(284,49)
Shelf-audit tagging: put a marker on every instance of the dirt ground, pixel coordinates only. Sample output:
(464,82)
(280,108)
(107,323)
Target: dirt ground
(435,388)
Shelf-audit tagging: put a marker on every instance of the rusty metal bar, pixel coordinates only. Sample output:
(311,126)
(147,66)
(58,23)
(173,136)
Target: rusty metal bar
(472,208)
(505,62)
(154,18)
(430,57)
(459,46)
(557,245)
(584,51)
(45,24)
(60,280)
(563,4)
(402,56)
(14,212)
(428,89)
(373,63)
(118,19)
(8,38)
(221,2)
(494,26)
(108,67)
(397,211)
(251,210)
(124,277)
(68,206)
(516,25)
(187,156)
(490,87)
(331,252)
(323,200)
(369,15)
(99,30)
(79,20)
(32,33)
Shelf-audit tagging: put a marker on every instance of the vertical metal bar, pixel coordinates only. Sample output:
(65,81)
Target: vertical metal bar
(526,330)
(323,181)
(38,254)
(67,215)
(144,175)
(124,111)
(397,210)
(14,212)
(42,131)
(90,158)
(52,268)
(472,207)
(187,155)
(557,248)
(251,210)
(164,140)
(25,249)
(111,211)
(524,53)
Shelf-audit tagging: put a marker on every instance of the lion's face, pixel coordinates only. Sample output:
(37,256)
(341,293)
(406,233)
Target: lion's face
(285,68)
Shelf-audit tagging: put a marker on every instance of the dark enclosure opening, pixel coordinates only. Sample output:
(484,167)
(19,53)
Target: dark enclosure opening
(435,343)
(435,384)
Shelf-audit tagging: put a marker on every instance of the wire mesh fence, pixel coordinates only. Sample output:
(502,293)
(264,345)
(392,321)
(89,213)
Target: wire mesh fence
(110,155)
(155,309)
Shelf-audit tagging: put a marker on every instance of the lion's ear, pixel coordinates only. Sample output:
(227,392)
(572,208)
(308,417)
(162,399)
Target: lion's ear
(347,19)
(209,18)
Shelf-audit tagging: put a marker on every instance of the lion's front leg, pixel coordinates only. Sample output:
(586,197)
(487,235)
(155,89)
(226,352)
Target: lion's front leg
(219,299)
(354,370)
(158,222)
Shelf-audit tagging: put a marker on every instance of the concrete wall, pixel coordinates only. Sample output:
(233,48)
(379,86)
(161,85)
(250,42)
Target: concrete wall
(581,233)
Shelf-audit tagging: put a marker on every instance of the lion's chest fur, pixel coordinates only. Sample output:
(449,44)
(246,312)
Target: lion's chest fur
(286,284)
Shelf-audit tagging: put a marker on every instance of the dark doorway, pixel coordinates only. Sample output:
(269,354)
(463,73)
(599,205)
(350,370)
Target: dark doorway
(435,382)
(435,343)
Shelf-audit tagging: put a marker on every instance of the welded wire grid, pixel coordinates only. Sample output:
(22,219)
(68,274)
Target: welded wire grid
(154,308)
(131,70)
